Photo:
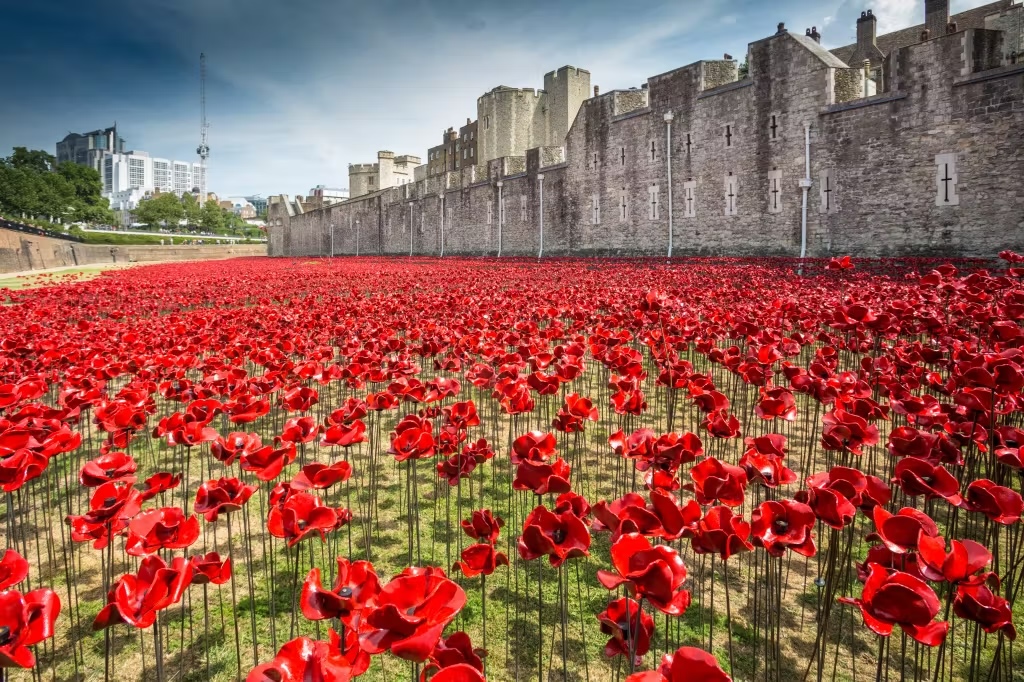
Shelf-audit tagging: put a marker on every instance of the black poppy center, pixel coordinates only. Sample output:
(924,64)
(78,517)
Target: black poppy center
(559,536)
(781,525)
(5,635)
(109,501)
(345,592)
(302,525)
(928,479)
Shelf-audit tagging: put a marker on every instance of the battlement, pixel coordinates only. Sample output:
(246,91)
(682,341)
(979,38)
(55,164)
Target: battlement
(503,91)
(385,155)
(571,70)
(363,168)
(408,159)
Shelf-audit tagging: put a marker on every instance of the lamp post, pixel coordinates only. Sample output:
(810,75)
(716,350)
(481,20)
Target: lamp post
(332,240)
(357,238)
(540,185)
(440,203)
(501,214)
(668,163)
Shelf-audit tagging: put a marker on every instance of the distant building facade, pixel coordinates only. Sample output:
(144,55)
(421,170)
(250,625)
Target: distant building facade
(389,171)
(259,203)
(90,149)
(128,176)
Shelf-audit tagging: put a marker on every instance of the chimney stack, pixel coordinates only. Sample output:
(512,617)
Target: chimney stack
(867,31)
(597,90)
(782,27)
(815,35)
(936,17)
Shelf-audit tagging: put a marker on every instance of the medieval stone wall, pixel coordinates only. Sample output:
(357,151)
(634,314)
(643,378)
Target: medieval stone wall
(930,166)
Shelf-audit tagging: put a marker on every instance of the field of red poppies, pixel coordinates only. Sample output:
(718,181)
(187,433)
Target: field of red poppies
(458,470)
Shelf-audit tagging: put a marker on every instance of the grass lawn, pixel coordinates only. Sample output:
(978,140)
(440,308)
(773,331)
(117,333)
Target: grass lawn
(51,278)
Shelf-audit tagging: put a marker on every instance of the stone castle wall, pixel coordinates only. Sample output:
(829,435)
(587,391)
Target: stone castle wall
(930,166)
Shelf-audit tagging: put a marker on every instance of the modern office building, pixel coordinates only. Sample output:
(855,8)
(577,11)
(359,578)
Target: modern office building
(89,149)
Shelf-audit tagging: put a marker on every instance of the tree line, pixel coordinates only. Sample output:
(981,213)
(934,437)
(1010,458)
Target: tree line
(32,183)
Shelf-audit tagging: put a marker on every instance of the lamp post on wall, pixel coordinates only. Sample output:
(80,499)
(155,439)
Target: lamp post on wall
(332,240)
(357,238)
(440,203)
(668,164)
(501,215)
(411,227)
(540,185)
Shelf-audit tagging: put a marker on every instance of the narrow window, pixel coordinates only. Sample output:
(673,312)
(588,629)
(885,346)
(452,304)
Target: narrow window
(728,135)
(623,206)
(653,192)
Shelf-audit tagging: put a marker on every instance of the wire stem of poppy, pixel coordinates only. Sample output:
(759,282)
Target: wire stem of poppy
(158,649)
(295,592)
(483,614)
(563,599)
(234,603)
(728,617)
(540,622)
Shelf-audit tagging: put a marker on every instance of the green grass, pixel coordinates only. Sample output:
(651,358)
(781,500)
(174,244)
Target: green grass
(52,278)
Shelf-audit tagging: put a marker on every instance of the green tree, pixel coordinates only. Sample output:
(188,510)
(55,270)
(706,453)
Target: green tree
(85,182)
(212,217)
(191,209)
(163,209)
(33,159)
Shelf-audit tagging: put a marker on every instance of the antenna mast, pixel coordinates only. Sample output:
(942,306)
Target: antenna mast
(203,150)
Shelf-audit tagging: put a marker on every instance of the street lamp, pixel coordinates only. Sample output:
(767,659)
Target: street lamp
(357,238)
(501,214)
(540,183)
(668,163)
(440,199)
(332,240)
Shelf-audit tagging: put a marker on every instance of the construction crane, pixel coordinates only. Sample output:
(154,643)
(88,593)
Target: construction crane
(203,150)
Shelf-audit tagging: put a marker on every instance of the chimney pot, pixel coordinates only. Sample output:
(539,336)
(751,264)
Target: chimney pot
(782,27)
(815,34)
(597,90)
(728,56)
(951,28)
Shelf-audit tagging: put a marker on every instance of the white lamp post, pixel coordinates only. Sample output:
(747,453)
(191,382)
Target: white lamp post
(540,185)
(668,163)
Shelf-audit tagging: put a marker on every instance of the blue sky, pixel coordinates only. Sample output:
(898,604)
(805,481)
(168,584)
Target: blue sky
(298,89)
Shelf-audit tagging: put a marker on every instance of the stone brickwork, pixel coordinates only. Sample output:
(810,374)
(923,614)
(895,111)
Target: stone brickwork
(931,165)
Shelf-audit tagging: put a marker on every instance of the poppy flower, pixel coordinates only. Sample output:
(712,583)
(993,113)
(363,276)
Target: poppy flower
(114,466)
(845,431)
(479,559)
(480,451)
(720,532)
(210,568)
(27,620)
(575,503)
(345,434)
(304,659)
(156,529)
(110,507)
(653,573)
(776,402)
(535,446)
(301,515)
(687,664)
(411,613)
(630,628)
(456,467)
(962,564)
(267,462)
(715,481)
(663,517)
(412,439)
(483,526)
(976,602)
(901,532)
(783,524)
(721,424)
(574,414)
(462,415)
(13,569)
(246,409)
(160,482)
(300,430)
(896,598)
(558,536)
(918,477)
(227,449)
(322,476)
(629,402)
(221,496)
(299,398)
(763,461)
(355,590)
(455,650)
(636,445)
(136,598)
(1002,505)
(461,672)
(543,478)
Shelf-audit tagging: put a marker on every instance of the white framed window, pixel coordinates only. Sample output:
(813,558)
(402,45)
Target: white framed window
(653,202)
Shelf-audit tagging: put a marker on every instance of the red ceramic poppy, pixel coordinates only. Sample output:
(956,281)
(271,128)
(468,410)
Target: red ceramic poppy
(229,448)
(301,516)
(110,507)
(114,466)
(136,598)
(901,532)
(455,650)
(558,536)
(13,569)
(299,398)
(345,434)
(845,431)
(653,573)
(535,446)
(210,568)
(483,526)
(456,467)
(900,599)
(462,415)
(480,559)
(574,414)
(160,482)
(781,525)
(715,481)
(306,660)
(463,672)
(27,620)
(411,613)
(999,503)
(976,602)
(355,590)
(630,628)
(687,664)
(963,564)
(543,478)
(720,532)
(918,477)
(156,529)
(266,463)
(638,445)
(321,476)
(221,496)
(776,402)
(412,439)
(663,517)
(300,430)
(575,503)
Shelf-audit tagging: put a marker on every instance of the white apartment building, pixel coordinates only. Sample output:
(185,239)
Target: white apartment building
(129,176)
